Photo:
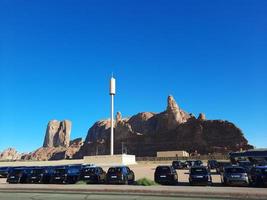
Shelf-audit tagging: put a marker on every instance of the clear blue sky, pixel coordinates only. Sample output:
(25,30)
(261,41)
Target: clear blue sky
(56,58)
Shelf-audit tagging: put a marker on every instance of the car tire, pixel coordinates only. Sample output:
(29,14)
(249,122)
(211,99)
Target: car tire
(126,181)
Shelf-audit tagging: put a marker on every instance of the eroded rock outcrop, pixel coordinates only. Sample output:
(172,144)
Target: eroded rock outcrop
(57,134)
(173,129)
(10,154)
(55,153)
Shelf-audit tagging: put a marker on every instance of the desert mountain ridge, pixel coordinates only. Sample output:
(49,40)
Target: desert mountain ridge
(142,134)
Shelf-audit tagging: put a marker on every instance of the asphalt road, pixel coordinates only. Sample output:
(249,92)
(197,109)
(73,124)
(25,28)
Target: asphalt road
(38,192)
(51,196)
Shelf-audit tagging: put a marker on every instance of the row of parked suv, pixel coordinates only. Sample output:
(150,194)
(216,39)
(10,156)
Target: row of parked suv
(68,174)
(241,173)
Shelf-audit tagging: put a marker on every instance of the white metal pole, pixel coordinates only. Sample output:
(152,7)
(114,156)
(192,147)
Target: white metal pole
(112,126)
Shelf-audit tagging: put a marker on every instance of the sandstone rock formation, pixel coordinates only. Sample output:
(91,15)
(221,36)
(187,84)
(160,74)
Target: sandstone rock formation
(55,153)
(202,117)
(57,134)
(10,154)
(146,133)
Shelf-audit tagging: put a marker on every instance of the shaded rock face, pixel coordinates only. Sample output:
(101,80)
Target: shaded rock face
(55,153)
(57,134)
(174,129)
(10,154)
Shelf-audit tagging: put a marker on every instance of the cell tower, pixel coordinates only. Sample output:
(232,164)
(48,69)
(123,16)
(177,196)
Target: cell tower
(112,93)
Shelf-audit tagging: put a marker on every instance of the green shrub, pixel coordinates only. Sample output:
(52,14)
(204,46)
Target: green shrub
(81,183)
(145,182)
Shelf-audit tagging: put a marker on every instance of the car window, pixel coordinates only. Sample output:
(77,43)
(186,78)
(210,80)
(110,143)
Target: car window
(235,170)
(195,171)
(74,170)
(17,172)
(115,170)
(59,171)
(264,171)
(37,171)
(163,170)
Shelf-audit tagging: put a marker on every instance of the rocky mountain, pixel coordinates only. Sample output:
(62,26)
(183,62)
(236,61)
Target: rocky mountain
(57,144)
(173,129)
(10,154)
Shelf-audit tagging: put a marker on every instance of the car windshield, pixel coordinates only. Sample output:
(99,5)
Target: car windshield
(37,171)
(115,170)
(234,170)
(163,170)
(60,171)
(16,171)
(195,171)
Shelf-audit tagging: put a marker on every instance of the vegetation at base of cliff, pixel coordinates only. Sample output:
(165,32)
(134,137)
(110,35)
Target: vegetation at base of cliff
(145,182)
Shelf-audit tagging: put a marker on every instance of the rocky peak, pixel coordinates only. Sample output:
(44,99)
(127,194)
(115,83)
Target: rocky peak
(172,105)
(202,117)
(118,117)
(176,116)
(57,134)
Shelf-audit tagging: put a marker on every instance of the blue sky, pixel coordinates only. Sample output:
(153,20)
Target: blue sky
(56,58)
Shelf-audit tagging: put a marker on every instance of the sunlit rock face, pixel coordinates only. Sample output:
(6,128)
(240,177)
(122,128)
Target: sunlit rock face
(173,129)
(57,134)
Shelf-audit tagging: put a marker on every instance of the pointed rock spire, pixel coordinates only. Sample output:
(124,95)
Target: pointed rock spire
(118,117)
(202,117)
(176,116)
(172,105)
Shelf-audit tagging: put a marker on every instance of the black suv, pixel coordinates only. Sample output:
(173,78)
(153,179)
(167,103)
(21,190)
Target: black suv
(199,175)
(40,175)
(120,175)
(258,176)
(4,172)
(165,175)
(19,175)
(69,174)
(59,175)
(93,175)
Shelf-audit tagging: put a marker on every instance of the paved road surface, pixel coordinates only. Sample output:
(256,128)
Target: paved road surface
(49,196)
(125,190)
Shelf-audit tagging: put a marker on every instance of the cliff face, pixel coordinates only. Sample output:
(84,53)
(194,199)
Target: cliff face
(146,133)
(57,134)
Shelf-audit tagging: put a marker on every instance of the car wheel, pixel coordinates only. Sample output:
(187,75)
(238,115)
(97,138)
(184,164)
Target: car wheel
(126,182)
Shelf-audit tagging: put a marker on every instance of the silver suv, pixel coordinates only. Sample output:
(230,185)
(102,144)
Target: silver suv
(234,175)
